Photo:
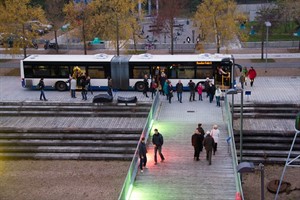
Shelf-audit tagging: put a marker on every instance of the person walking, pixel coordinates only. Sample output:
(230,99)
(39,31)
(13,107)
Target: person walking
(166,89)
(197,143)
(179,90)
(215,133)
(208,144)
(251,75)
(73,87)
(89,84)
(199,90)
(146,84)
(206,86)
(153,88)
(218,94)
(242,80)
(41,86)
(211,90)
(143,154)
(170,91)
(192,88)
(245,74)
(158,141)
(162,80)
(200,129)
(109,86)
(83,87)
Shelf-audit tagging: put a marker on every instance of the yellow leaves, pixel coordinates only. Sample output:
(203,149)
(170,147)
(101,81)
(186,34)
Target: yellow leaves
(217,20)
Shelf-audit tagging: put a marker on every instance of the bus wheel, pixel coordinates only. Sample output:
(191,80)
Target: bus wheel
(61,86)
(140,86)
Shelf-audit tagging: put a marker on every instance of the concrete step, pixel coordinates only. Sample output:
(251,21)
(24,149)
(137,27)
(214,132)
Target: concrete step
(255,133)
(72,130)
(277,146)
(266,139)
(37,142)
(268,160)
(266,115)
(67,149)
(73,114)
(66,156)
(145,108)
(266,110)
(268,153)
(69,136)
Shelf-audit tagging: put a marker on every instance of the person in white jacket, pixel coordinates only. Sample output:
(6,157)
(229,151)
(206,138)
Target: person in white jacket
(218,94)
(215,133)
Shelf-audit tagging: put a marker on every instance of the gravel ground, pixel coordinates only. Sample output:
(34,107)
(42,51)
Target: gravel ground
(61,180)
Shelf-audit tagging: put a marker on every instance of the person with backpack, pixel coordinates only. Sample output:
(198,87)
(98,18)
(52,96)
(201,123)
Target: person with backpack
(41,86)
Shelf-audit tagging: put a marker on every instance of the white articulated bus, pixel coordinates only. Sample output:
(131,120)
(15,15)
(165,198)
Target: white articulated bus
(127,72)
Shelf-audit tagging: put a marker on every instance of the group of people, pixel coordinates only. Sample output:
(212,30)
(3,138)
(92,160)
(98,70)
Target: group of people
(251,74)
(199,140)
(209,141)
(165,88)
(157,141)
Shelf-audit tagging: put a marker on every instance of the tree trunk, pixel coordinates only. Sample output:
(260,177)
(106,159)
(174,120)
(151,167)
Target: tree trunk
(55,36)
(172,36)
(262,49)
(83,35)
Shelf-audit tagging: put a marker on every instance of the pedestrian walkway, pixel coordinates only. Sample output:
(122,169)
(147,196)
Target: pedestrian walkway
(179,176)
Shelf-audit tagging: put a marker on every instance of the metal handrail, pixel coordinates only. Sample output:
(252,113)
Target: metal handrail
(229,119)
(133,168)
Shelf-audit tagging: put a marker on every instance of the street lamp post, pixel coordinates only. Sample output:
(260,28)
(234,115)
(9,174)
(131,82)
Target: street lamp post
(268,24)
(235,91)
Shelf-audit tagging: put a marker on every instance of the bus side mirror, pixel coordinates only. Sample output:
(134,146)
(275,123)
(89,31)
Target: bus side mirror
(297,122)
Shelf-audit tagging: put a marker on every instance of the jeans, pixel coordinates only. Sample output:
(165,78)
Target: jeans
(158,148)
(218,101)
(208,156)
(200,97)
(143,161)
(42,95)
(73,94)
(179,96)
(84,93)
(192,95)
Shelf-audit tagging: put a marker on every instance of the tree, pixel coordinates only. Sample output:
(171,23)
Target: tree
(266,13)
(14,26)
(105,19)
(165,20)
(217,21)
(54,13)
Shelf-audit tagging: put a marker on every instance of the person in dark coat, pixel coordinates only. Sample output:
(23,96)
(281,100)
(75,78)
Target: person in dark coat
(192,90)
(206,86)
(170,92)
(200,129)
(212,91)
(41,86)
(179,90)
(146,84)
(83,87)
(109,86)
(158,141)
(208,144)
(197,140)
(143,154)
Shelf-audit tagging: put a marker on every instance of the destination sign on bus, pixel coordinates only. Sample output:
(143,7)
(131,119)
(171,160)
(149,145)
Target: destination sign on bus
(203,62)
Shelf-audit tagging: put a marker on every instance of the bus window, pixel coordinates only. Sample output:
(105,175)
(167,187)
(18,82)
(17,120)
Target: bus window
(28,72)
(96,72)
(140,71)
(204,72)
(63,71)
(186,72)
(41,71)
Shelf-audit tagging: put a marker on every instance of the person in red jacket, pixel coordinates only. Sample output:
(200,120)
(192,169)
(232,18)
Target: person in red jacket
(251,75)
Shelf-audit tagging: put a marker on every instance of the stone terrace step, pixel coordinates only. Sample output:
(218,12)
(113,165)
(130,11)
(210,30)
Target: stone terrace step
(268,160)
(267,115)
(278,146)
(37,142)
(268,153)
(65,156)
(268,139)
(74,113)
(69,136)
(67,149)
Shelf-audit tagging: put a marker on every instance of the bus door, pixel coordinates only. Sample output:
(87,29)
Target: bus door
(78,72)
(222,77)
